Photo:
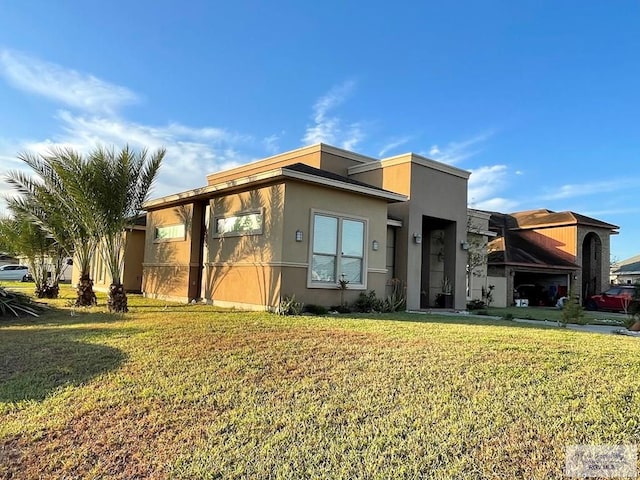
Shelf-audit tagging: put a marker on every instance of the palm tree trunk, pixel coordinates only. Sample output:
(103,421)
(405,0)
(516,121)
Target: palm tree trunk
(117,301)
(86,297)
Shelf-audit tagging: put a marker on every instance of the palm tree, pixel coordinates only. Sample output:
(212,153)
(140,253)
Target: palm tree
(56,198)
(87,203)
(27,238)
(121,182)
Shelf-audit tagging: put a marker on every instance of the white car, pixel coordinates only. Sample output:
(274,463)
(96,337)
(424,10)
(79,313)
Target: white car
(15,273)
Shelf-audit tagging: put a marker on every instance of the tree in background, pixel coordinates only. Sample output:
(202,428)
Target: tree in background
(28,239)
(56,199)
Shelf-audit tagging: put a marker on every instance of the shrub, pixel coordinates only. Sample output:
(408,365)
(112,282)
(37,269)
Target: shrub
(508,316)
(315,309)
(397,300)
(289,306)
(368,302)
(572,311)
(340,308)
(475,305)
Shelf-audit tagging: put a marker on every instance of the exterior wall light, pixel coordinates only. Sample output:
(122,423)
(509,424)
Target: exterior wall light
(417,238)
(375,245)
(464,245)
(298,235)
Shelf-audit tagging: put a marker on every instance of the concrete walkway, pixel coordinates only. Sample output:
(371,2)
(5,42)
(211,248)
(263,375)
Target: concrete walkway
(604,329)
(572,326)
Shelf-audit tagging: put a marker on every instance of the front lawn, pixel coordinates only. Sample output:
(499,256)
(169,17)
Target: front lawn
(184,391)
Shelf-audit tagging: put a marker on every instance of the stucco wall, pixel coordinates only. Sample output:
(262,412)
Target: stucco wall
(301,200)
(434,191)
(246,268)
(560,240)
(439,195)
(499,292)
(134,255)
(167,262)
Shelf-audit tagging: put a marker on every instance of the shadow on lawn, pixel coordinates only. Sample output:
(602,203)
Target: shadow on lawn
(34,362)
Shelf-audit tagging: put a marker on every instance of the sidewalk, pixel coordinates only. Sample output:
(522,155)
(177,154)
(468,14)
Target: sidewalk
(603,329)
(610,329)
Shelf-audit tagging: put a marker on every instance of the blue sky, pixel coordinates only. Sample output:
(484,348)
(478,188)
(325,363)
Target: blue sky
(540,100)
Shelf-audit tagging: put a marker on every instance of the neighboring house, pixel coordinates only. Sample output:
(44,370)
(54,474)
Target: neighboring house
(478,235)
(298,222)
(6,259)
(133,256)
(49,263)
(627,271)
(542,254)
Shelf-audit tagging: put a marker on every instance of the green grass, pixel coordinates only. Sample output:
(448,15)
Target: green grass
(185,391)
(555,315)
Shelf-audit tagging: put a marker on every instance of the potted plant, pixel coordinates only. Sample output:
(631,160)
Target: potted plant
(445,298)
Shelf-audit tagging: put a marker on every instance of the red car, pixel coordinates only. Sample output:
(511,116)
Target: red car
(620,298)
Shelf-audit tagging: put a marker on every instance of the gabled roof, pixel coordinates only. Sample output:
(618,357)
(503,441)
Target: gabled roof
(543,218)
(512,247)
(628,269)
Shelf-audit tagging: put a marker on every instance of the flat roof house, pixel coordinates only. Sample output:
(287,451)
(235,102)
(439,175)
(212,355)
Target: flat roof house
(298,222)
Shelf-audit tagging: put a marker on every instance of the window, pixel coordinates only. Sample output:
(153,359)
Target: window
(170,232)
(246,223)
(337,250)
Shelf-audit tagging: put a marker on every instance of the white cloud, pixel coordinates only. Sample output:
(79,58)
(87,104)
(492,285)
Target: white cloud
(72,88)
(328,127)
(393,144)
(484,184)
(455,152)
(497,204)
(192,153)
(272,143)
(585,189)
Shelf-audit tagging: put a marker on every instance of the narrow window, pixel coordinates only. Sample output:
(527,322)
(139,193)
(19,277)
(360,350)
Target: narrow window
(170,232)
(325,249)
(245,223)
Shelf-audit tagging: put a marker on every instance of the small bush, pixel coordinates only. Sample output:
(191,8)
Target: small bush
(289,306)
(572,311)
(367,303)
(508,316)
(476,305)
(340,308)
(315,309)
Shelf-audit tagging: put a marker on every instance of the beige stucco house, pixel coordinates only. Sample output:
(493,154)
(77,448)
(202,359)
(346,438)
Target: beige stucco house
(298,222)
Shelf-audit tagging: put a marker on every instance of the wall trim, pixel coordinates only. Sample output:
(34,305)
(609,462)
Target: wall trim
(168,298)
(377,270)
(172,264)
(256,264)
(409,158)
(253,307)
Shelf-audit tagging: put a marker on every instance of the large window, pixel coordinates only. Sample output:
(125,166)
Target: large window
(245,223)
(338,250)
